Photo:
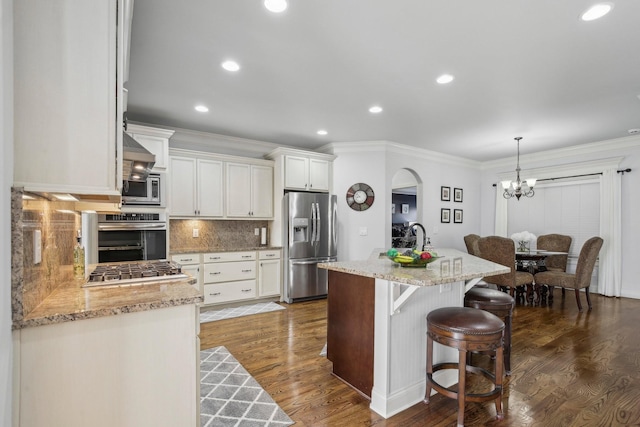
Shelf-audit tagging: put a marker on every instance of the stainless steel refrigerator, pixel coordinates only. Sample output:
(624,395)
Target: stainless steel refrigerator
(309,238)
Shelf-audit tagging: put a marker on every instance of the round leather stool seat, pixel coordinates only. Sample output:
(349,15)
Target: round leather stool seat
(499,303)
(466,329)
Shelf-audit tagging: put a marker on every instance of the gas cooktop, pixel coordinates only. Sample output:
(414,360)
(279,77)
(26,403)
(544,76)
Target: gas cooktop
(134,273)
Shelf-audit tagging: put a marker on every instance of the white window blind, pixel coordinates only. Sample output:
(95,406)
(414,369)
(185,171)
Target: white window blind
(571,208)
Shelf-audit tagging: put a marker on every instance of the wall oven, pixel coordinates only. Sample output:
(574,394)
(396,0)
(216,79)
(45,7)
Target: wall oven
(132,237)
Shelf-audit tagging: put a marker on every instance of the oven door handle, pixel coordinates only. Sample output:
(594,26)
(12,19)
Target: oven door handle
(120,248)
(131,227)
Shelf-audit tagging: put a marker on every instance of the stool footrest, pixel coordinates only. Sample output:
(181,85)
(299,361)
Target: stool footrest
(469,397)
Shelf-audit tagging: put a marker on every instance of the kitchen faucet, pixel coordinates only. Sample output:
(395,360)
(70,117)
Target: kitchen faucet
(424,234)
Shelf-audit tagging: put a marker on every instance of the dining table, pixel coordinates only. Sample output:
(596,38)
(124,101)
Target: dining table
(533,261)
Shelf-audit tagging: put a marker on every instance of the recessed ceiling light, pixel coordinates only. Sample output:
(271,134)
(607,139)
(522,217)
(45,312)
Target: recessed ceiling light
(230,65)
(275,6)
(322,132)
(201,108)
(444,79)
(596,11)
(633,131)
(375,109)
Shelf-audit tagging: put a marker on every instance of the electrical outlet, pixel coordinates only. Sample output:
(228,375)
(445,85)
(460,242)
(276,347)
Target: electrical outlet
(445,287)
(363,231)
(196,232)
(256,231)
(435,230)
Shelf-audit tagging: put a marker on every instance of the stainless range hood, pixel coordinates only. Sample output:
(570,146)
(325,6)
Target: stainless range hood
(137,161)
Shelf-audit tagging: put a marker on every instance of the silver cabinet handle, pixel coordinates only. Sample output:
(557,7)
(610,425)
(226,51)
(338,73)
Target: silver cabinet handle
(214,294)
(247,271)
(214,273)
(246,290)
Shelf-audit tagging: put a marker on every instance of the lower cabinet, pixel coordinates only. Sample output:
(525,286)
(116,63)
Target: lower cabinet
(269,277)
(226,277)
(130,370)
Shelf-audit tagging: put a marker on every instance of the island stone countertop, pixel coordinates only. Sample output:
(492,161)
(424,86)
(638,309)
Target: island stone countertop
(72,302)
(452,266)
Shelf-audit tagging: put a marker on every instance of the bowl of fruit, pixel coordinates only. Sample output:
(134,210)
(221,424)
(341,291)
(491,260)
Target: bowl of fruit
(412,257)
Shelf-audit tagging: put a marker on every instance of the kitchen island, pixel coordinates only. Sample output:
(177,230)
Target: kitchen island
(376,322)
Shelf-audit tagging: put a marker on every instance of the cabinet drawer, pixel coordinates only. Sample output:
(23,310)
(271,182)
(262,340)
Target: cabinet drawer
(228,256)
(270,254)
(224,292)
(228,271)
(186,259)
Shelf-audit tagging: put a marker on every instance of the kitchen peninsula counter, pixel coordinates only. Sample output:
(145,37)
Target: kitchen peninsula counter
(72,302)
(376,322)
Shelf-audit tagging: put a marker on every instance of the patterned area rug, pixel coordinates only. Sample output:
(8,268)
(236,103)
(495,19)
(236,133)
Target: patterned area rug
(245,310)
(229,396)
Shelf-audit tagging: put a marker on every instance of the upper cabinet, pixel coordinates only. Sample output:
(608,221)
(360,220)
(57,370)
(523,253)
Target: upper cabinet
(68,95)
(218,186)
(195,187)
(156,141)
(249,191)
(302,170)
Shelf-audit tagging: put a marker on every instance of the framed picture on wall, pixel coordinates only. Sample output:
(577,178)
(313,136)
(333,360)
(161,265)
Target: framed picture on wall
(445,194)
(393,208)
(444,215)
(457,216)
(405,208)
(457,194)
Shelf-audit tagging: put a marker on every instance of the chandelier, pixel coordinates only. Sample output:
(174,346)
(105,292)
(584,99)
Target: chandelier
(518,188)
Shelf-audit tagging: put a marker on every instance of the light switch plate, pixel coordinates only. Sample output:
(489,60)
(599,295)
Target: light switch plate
(363,231)
(37,246)
(196,232)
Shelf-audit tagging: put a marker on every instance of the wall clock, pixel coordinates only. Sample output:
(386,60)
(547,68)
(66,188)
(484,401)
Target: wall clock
(360,197)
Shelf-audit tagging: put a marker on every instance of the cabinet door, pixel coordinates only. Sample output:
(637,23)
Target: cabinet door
(157,146)
(269,277)
(194,270)
(262,191)
(318,175)
(66,121)
(238,190)
(296,172)
(182,187)
(210,188)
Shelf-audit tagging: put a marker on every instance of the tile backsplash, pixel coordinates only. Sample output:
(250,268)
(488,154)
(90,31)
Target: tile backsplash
(213,235)
(31,282)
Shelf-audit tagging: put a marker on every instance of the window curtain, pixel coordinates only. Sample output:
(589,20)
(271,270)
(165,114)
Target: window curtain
(501,213)
(610,262)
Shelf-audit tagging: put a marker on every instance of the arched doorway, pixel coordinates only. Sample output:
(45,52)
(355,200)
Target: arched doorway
(405,207)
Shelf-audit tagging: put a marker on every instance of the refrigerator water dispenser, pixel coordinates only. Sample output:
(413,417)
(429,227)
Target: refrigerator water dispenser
(300,229)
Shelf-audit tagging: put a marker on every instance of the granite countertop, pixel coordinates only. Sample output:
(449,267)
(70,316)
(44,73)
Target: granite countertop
(222,249)
(454,266)
(72,302)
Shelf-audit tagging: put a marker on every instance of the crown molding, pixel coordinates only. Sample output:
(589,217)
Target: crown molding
(567,152)
(396,148)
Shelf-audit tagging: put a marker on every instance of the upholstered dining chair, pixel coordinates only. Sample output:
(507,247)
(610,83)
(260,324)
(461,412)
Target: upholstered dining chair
(555,243)
(502,250)
(582,277)
(471,241)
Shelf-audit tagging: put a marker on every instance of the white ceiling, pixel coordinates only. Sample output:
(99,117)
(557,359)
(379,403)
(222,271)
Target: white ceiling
(522,68)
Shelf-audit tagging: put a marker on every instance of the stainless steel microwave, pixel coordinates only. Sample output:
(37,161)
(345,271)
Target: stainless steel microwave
(148,193)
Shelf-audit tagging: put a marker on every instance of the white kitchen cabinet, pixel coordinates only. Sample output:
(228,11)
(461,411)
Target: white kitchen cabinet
(249,191)
(68,62)
(269,273)
(229,276)
(132,369)
(195,187)
(304,173)
(191,264)
(156,141)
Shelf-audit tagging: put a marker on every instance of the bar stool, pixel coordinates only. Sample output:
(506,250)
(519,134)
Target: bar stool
(500,304)
(466,329)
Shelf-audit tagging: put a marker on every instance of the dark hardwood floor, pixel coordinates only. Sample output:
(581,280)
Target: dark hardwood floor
(569,368)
